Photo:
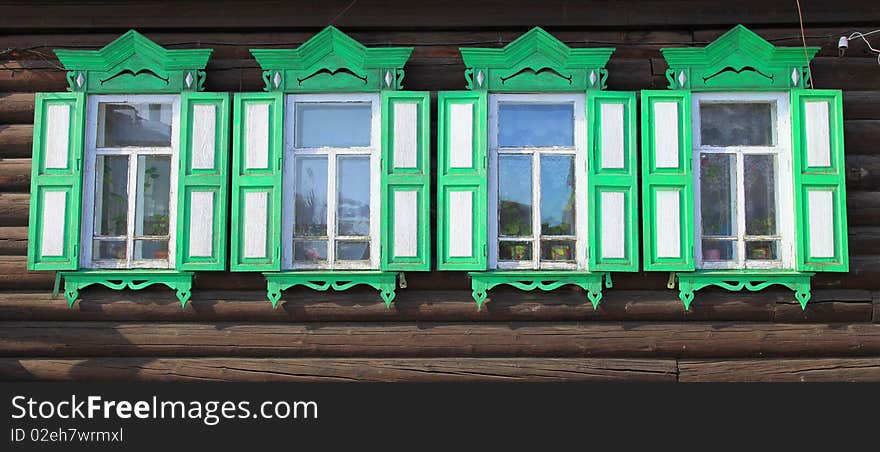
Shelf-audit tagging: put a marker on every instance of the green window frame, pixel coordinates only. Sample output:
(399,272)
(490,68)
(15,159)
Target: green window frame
(131,67)
(336,68)
(742,65)
(534,65)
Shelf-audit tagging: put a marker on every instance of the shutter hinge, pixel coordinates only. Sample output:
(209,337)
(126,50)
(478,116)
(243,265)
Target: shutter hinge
(78,164)
(485,250)
(76,250)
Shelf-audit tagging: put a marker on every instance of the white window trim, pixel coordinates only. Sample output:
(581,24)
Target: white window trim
(784,181)
(288,183)
(88,208)
(579,151)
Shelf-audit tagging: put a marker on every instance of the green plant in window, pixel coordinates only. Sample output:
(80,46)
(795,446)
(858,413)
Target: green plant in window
(150,174)
(515,219)
(157,224)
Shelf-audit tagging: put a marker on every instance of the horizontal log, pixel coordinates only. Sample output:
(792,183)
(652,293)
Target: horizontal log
(14,274)
(15,175)
(861,104)
(16,108)
(781,370)
(863,208)
(864,240)
(14,209)
(372,14)
(303,305)
(13,241)
(513,339)
(16,140)
(339,369)
(861,136)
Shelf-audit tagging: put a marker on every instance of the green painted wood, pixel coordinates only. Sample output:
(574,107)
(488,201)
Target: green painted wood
(416,179)
(591,282)
(738,60)
(214,180)
(536,61)
(331,61)
(180,282)
(808,178)
(67,180)
(472,179)
(133,64)
(609,180)
(266,180)
(737,280)
(384,282)
(678,179)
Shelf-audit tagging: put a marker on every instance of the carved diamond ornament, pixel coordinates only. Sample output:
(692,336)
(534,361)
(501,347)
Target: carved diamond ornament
(681,79)
(189,79)
(480,78)
(388,79)
(593,78)
(277,79)
(795,77)
(80,80)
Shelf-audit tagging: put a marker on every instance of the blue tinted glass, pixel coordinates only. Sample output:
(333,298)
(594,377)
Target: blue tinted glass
(338,125)
(557,195)
(535,125)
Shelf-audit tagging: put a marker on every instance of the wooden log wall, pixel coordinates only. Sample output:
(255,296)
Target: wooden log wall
(434,332)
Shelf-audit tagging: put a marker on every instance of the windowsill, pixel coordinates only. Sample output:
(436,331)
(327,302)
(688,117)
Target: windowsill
(322,280)
(591,282)
(133,279)
(753,280)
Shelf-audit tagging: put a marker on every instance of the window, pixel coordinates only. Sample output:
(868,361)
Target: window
(130,181)
(742,170)
(537,181)
(331,182)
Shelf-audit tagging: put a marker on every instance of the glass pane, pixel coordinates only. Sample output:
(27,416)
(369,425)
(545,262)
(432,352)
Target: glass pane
(310,197)
(310,251)
(151,249)
(764,250)
(336,125)
(353,196)
(515,196)
(717,176)
(535,125)
(154,182)
(515,251)
(736,124)
(557,250)
(108,250)
(760,176)
(134,124)
(557,195)
(111,195)
(719,250)
(352,251)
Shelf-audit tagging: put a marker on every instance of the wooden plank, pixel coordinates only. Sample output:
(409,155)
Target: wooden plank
(861,104)
(13,241)
(862,136)
(432,339)
(781,370)
(863,208)
(16,108)
(14,274)
(16,140)
(339,369)
(864,240)
(14,209)
(371,14)
(15,175)
(99,304)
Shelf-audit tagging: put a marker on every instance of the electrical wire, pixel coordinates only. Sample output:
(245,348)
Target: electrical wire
(861,35)
(804,37)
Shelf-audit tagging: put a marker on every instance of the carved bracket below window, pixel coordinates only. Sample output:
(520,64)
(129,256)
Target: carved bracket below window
(481,282)
(181,282)
(688,283)
(384,282)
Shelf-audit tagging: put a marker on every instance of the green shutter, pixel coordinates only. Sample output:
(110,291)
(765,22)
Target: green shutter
(257,145)
(56,182)
(406,181)
(819,180)
(667,181)
(611,177)
(461,180)
(202,193)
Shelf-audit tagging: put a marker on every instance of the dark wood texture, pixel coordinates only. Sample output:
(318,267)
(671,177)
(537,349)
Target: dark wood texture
(433,332)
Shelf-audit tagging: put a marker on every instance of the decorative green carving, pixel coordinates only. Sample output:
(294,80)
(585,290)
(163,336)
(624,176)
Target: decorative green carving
(133,64)
(122,279)
(536,61)
(688,283)
(739,59)
(332,61)
(591,282)
(384,282)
